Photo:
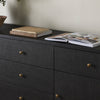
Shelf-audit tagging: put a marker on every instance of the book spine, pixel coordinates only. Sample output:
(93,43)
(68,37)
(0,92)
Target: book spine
(23,34)
(15,30)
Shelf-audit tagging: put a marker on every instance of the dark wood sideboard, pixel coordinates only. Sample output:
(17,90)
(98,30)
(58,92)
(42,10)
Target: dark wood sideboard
(36,69)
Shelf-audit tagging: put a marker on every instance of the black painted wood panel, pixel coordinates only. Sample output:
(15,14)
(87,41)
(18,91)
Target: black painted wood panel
(34,78)
(10,93)
(75,61)
(33,53)
(72,87)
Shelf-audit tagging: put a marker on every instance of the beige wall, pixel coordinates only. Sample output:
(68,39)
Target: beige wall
(68,15)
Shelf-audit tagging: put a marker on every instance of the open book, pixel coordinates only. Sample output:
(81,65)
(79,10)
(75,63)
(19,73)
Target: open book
(89,40)
(60,38)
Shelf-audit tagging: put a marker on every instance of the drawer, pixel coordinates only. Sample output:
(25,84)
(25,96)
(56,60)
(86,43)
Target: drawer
(24,77)
(26,52)
(74,87)
(12,93)
(79,62)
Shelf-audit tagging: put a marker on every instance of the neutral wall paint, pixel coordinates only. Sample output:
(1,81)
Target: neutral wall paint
(68,15)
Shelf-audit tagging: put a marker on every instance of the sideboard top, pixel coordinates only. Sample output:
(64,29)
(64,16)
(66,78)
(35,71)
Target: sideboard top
(4,33)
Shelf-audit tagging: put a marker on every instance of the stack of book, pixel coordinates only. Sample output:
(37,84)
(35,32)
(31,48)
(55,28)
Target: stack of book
(30,31)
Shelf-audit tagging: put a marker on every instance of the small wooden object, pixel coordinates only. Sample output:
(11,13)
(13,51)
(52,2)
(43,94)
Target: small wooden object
(2,19)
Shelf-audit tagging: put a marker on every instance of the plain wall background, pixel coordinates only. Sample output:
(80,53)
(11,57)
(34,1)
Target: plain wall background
(67,15)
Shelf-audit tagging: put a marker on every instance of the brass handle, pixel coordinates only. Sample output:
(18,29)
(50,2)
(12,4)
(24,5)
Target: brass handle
(20,98)
(21,52)
(20,75)
(57,95)
(89,65)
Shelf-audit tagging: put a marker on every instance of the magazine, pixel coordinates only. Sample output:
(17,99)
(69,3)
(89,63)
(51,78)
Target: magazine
(84,39)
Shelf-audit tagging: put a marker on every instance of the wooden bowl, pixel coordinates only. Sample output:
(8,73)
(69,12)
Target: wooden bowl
(2,19)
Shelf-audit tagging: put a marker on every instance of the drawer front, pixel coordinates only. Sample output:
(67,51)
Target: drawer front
(12,93)
(26,52)
(79,62)
(72,87)
(23,76)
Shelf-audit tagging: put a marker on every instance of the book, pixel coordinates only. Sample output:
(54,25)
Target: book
(30,31)
(60,37)
(83,39)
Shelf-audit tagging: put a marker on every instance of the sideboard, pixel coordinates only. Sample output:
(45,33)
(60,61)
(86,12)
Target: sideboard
(36,69)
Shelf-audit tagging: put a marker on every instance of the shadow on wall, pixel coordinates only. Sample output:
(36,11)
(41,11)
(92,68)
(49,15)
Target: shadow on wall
(20,11)
(26,12)
(32,12)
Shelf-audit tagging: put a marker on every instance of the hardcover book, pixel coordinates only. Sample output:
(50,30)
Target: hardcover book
(30,31)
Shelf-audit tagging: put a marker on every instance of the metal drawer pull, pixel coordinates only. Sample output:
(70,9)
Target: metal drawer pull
(20,98)
(57,95)
(89,65)
(21,52)
(20,75)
